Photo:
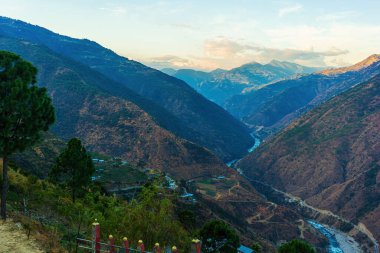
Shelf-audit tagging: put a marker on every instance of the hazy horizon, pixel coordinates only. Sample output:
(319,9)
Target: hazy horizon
(210,34)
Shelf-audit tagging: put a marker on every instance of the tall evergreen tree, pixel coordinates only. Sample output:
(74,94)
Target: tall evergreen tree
(25,111)
(73,168)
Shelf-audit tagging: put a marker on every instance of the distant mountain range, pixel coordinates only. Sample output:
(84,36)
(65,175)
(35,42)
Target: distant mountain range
(330,156)
(171,103)
(220,85)
(274,106)
(268,97)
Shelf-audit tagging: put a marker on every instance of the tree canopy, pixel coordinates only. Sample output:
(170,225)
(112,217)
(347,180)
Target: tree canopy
(150,217)
(296,246)
(256,247)
(74,167)
(218,236)
(25,111)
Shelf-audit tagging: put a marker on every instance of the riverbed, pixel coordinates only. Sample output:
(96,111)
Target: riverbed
(339,242)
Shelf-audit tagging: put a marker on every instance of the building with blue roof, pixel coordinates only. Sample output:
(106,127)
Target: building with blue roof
(244,249)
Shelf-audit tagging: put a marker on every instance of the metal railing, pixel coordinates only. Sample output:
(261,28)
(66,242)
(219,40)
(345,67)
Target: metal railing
(105,247)
(96,246)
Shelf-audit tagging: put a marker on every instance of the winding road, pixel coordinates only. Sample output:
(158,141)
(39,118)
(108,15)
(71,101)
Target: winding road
(351,246)
(344,237)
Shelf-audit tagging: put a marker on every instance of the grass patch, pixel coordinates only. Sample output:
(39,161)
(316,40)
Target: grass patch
(123,174)
(209,189)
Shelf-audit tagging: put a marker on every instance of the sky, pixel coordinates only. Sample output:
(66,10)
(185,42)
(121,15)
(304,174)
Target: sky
(208,34)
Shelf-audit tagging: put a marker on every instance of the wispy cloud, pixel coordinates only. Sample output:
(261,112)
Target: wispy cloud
(289,9)
(226,49)
(227,53)
(183,26)
(338,16)
(114,9)
(170,61)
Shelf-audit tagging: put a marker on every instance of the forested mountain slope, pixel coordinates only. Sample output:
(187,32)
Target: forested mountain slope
(170,101)
(87,109)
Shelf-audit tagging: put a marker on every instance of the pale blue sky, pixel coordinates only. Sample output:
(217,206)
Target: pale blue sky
(211,34)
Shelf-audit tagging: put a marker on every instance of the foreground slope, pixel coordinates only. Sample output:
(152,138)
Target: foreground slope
(14,239)
(330,156)
(106,123)
(182,110)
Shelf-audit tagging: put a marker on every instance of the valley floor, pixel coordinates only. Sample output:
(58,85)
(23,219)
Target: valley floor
(13,238)
(346,243)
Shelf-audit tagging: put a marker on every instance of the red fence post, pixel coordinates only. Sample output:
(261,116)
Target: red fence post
(140,246)
(112,243)
(126,244)
(96,236)
(157,248)
(196,247)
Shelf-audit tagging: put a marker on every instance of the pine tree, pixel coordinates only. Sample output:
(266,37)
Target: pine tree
(73,168)
(25,111)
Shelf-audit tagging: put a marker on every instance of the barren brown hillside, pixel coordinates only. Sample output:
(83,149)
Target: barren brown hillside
(330,157)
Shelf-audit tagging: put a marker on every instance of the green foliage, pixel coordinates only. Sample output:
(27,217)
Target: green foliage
(187,217)
(25,111)
(217,236)
(73,168)
(150,217)
(256,247)
(41,157)
(296,246)
(123,174)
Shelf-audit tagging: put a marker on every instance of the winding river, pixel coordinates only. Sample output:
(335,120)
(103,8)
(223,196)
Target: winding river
(334,246)
(250,150)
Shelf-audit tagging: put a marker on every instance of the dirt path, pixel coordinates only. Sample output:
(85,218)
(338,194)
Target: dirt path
(302,228)
(13,239)
(360,227)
